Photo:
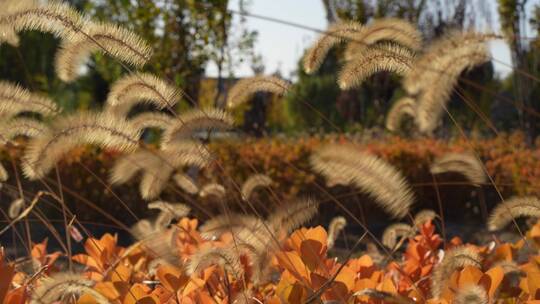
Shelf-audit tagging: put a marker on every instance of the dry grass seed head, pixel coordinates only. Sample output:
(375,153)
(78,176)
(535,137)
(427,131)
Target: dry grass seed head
(176,210)
(186,183)
(115,41)
(15,208)
(152,120)
(454,259)
(260,262)
(157,166)
(62,286)
(161,245)
(425,66)
(337,224)
(154,180)
(127,166)
(423,216)
(55,17)
(142,229)
(404,106)
(224,257)
(369,173)
(432,82)
(386,57)
(471,294)
(336,33)
(9,36)
(244,89)
(466,164)
(394,232)
(223,223)
(140,88)
(197,120)
(14,99)
(42,153)
(393,30)
(3,173)
(21,126)
(293,215)
(253,182)
(514,207)
(213,189)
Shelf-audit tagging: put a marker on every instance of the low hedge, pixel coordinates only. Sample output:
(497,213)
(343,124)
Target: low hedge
(513,167)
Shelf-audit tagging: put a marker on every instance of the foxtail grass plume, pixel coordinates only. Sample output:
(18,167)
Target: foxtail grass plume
(3,173)
(426,66)
(386,57)
(186,183)
(126,167)
(161,245)
(186,154)
(213,189)
(157,173)
(337,224)
(471,294)
(514,207)
(463,163)
(115,41)
(14,99)
(66,133)
(435,74)
(140,88)
(142,229)
(293,215)
(336,33)
(394,232)
(154,180)
(176,210)
(55,17)
(196,120)
(253,182)
(454,259)
(61,287)
(405,106)
(369,173)
(21,126)
(152,120)
(229,222)
(423,216)
(157,166)
(15,208)
(9,36)
(163,220)
(393,30)
(224,257)
(244,89)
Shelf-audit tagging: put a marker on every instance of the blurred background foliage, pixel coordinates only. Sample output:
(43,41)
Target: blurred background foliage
(188,35)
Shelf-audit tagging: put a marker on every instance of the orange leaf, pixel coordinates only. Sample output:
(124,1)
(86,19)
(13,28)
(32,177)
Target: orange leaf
(6,271)
(122,273)
(294,264)
(310,252)
(469,276)
(495,275)
(137,292)
(192,285)
(171,277)
(387,285)
(533,282)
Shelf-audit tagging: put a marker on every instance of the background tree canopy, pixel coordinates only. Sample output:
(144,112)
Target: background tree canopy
(188,35)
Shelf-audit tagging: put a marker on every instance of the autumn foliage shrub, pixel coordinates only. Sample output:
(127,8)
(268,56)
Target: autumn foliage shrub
(301,270)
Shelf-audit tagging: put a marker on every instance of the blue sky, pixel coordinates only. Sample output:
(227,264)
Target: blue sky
(281,46)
